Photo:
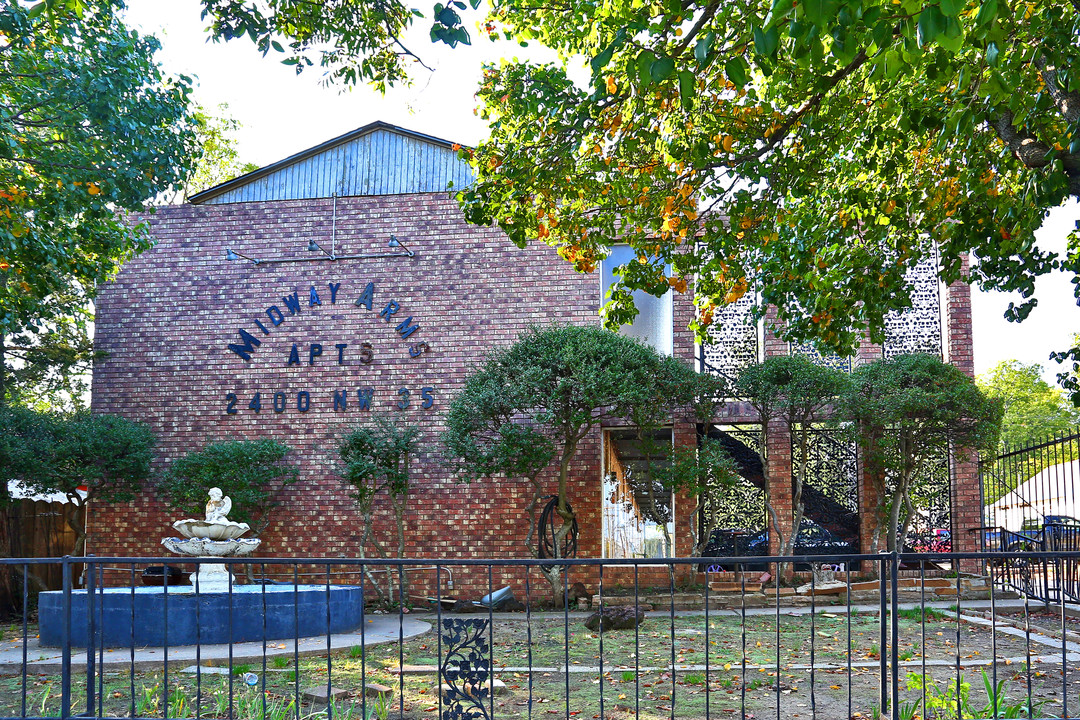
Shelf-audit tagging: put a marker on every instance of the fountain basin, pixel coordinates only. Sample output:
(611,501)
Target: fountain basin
(203,547)
(217,530)
(173,616)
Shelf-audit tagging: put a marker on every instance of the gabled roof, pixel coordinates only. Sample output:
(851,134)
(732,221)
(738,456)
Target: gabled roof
(376,159)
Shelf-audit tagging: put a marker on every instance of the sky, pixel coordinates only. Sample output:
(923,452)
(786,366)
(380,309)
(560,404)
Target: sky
(282,113)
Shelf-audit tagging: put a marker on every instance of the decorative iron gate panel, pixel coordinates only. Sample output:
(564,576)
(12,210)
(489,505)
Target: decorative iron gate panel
(733,340)
(917,329)
(831,484)
(743,506)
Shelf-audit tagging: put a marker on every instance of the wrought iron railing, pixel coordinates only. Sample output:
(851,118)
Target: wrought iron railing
(908,641)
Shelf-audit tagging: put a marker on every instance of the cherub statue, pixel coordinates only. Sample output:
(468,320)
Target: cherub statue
(217,507)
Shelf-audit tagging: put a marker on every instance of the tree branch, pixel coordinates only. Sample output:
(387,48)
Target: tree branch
(1067,101)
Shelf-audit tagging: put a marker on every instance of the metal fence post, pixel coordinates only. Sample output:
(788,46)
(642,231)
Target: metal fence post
(894,646)
(91,635)
(65,658)
(883,683)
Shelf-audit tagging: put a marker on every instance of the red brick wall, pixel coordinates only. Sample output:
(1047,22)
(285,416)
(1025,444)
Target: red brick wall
(166,322)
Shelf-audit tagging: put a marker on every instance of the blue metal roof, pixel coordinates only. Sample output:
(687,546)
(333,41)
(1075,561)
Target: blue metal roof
(377,159)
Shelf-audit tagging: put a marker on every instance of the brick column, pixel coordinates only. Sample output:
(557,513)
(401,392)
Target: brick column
(966,498)
(778,442)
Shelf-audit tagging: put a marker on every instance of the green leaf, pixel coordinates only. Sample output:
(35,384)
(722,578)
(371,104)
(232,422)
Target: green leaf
(952,8)
(644,66)
(931,23)
(766,41)
(780,10)
(736,70)
(883,34)
(992,53)
(687,87)
(661,69)
(703,48)
(599,62)
(820,12)
(987,12)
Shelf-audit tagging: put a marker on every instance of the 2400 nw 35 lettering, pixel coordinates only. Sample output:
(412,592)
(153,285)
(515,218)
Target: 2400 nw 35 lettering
(338,400)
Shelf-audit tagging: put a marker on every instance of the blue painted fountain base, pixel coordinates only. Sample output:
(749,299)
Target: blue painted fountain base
(150,616)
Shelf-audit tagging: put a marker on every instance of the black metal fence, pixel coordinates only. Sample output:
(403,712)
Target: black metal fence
(500,639)
(1031,502)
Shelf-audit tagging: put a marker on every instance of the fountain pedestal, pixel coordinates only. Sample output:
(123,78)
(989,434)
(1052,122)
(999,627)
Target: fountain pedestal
(211,577)
(216,536)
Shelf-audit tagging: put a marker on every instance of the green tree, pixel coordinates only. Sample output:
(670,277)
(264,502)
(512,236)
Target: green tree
(530,405)
(49,453)
(376,461)
(253,473)
(790,393)
(49,368)
(1033,410)
(356,41)
(220,160)
(89,130)
(813,151)
(910,412)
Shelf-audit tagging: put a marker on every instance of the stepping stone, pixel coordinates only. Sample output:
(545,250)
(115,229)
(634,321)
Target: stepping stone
(415,670)
(375,689)
(318,694)
(499,687)
(205,670)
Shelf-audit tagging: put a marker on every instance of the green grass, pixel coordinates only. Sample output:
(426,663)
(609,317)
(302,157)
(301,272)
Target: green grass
(775,676)
(919,614)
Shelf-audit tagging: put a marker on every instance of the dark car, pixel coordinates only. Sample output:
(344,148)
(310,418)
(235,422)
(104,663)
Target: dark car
(813,539)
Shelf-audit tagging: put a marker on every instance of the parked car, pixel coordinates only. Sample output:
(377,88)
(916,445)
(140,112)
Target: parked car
(937,540)
(813,539)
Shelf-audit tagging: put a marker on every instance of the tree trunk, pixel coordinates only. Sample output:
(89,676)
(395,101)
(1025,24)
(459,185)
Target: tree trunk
(797,510)
(3,371)
(365,515)
(894,513)
(554,576)
(399,518)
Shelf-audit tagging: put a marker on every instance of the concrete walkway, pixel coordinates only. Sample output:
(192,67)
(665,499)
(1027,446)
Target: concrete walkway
(378,629)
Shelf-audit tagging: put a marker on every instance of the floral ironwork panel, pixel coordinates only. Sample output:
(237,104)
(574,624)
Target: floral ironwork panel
(733,340)
(465,670)
(931,507)
(917,329)
(829,360)
(831,483)
(742,506)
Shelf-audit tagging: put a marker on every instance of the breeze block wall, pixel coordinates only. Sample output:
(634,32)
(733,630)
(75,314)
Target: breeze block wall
(176,324)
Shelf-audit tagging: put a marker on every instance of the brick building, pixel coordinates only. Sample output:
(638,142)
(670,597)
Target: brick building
(297,300)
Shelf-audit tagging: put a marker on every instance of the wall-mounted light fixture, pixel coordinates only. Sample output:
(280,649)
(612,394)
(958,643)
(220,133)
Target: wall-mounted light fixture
(314,246)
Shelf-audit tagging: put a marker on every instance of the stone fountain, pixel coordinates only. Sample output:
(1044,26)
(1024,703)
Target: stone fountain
(216,536)
(214,610)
